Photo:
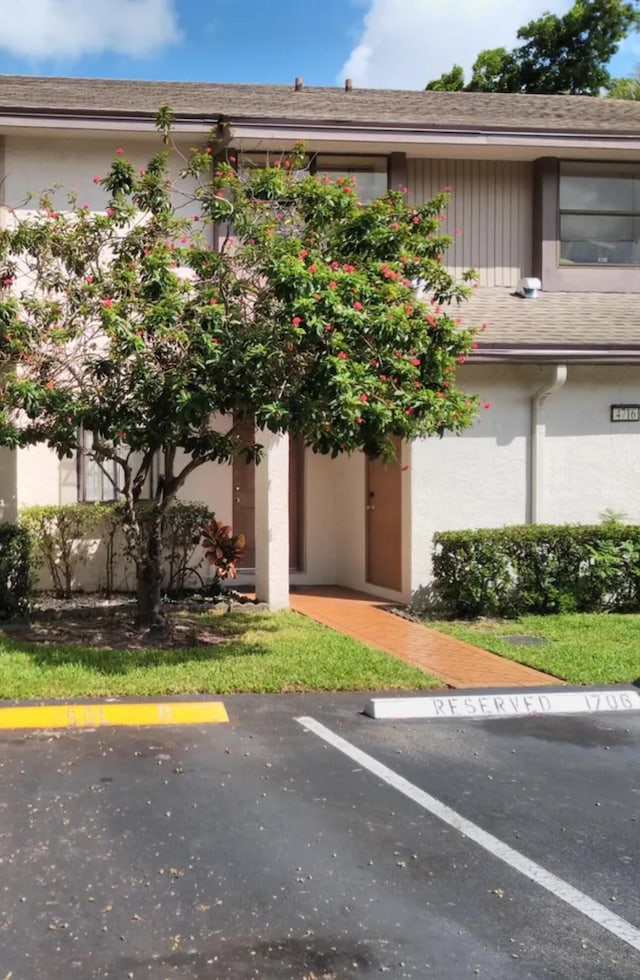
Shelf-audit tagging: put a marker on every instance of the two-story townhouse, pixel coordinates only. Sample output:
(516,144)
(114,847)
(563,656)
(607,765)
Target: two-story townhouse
(544,187)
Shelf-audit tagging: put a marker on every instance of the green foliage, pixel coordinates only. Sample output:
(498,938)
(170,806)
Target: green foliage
(538,569)
(613,518)
(59,534)
(564,54)
(626,88)
(223,549)
(450,81)
(181,539)
(16,571)
(127,326)
(262,652)
(581,648)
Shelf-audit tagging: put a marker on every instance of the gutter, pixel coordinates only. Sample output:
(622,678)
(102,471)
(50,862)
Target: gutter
(538,433)
(574,355)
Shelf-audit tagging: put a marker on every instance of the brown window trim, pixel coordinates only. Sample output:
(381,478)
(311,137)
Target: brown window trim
(546,243)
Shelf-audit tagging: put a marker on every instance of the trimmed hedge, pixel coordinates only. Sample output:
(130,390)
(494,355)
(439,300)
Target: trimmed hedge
(16,571)
(538,569)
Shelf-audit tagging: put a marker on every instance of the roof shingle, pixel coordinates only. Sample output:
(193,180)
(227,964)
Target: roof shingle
(567,320)
(421,109)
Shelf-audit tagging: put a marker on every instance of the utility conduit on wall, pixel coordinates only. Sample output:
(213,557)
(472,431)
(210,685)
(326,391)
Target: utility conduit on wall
(538,433)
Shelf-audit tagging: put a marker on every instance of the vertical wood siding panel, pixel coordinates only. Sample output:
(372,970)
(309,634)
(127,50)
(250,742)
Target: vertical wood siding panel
(492,205)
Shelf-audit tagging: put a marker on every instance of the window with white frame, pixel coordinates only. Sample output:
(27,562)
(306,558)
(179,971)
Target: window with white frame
(100,482)
(599,214)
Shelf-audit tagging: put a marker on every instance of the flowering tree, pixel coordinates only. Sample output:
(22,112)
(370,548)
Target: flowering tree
(129,327)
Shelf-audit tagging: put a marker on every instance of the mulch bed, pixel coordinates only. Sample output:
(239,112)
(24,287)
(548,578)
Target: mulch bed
(87,622)
(114,630)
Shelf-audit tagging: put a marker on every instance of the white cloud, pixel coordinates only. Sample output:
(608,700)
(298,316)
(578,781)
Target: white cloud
(63,29)
(405,43)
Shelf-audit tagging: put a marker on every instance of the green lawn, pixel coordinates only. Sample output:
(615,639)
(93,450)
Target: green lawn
(595,648)
(283,652)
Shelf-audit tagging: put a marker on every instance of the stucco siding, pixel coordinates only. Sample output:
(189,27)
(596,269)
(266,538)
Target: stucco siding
(482,478)
(491,205)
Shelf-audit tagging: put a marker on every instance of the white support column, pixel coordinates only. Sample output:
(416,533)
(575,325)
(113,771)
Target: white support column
(272,521)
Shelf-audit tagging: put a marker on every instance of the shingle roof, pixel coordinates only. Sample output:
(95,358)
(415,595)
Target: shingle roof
(473,110)
(567,320)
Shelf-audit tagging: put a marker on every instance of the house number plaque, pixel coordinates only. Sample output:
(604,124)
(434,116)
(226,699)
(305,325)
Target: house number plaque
(625,413)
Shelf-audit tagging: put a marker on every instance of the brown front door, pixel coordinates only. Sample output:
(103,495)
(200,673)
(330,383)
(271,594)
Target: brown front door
(244,501)
(384,523)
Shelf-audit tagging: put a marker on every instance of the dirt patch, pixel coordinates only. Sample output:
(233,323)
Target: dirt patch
(114,629)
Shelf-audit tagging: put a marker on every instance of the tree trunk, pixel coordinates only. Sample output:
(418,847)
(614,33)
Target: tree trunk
(149,576)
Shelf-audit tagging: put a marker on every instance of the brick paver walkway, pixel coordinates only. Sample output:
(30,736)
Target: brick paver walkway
(457,663)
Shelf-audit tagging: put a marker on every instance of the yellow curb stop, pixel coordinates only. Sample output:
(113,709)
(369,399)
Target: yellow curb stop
(114,715)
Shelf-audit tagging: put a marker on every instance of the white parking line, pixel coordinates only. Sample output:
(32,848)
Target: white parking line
(561,889)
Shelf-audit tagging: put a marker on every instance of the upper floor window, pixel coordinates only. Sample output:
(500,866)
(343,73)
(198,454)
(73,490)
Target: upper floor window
(599,214)
(369,173)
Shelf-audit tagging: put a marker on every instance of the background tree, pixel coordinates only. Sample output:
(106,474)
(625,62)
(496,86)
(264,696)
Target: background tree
(564,54)
(626,88)
(128,326)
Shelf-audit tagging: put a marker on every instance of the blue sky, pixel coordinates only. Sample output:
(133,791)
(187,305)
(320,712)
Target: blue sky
(386,43)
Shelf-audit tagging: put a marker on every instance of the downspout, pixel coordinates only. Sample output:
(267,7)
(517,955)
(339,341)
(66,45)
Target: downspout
(538,432)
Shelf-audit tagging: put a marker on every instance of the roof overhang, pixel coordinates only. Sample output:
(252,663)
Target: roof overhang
(60,122)
(480,141)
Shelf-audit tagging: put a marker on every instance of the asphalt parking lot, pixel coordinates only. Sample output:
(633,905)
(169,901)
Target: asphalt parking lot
(261,849)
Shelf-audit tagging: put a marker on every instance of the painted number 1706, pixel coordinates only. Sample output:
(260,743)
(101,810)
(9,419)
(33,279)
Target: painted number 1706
(611,701)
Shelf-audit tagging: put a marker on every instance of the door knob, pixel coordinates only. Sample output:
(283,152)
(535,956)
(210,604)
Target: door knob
(236,500)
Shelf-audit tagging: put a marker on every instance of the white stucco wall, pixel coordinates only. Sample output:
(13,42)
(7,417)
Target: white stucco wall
(594,463)
(481,479)
(320,544)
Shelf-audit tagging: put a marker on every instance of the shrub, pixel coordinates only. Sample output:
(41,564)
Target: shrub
(60,536)
(181,533)
(59,533)
(538,569)
(223,549)
(16,571)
